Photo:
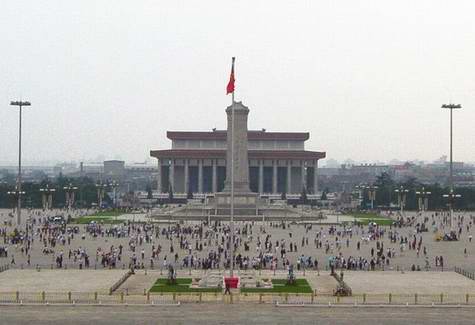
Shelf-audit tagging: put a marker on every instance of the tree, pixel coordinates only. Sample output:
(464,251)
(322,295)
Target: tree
(170,192)
(189,195)
(303,195)
(149,191)
(467,201)
(384,195)
(324,196)
(87,192)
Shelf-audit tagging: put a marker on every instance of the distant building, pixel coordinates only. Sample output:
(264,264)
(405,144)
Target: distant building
(345,178)
(114,170)
(278,162)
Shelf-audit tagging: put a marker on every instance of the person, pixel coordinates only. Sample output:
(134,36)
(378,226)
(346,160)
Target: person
(228,288)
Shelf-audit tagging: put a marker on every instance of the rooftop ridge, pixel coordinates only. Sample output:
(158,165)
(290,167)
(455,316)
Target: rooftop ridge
(222,134)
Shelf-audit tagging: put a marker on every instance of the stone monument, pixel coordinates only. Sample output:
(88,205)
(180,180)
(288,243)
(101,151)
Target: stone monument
(241,163)
(245,201)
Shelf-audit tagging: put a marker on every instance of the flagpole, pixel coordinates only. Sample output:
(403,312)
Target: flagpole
(232,181)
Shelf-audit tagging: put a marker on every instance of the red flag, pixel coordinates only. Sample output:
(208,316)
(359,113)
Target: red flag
(230,87)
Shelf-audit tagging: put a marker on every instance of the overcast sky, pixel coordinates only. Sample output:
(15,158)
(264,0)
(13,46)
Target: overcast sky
(365,78)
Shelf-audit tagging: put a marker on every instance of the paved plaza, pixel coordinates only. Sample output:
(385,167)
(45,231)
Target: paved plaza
(155,247)
(346,245)
(408,282)
(371,283)
(232,314)
(56,280)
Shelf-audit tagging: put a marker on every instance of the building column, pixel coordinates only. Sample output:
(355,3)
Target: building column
(315,177)
(215,176)
(274,176)
(159,177)
(289,176)
(172,175)
(261,176)
(303,175)
(186,182)
(200,176)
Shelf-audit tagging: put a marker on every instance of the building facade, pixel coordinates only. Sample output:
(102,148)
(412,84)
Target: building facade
(278,162)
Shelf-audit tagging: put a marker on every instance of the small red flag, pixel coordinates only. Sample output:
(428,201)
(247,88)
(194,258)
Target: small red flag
(230,87)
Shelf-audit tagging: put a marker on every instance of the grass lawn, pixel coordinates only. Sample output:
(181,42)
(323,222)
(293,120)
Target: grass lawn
(182,285)
(281,286)
(98,219)
(108,213)
(365,215)
(365,218)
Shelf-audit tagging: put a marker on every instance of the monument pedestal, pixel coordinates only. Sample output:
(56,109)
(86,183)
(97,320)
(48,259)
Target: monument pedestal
(244,203)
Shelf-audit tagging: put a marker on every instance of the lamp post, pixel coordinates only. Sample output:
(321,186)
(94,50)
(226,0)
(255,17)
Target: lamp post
(114,185)
(451,107)
(451,194)
(70,191)
(3,186)
(15,194)
(100,193)
(372,194)
(451,200)
(47,196)
(423,200)
(401,197)
(20,105)
(360,189)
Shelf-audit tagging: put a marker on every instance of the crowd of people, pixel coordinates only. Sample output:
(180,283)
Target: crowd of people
(198,245)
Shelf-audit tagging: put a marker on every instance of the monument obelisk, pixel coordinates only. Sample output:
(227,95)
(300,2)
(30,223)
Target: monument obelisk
(237,166)
(237,161)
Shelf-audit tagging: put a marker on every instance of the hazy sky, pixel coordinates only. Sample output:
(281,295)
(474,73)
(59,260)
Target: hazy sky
(365,78)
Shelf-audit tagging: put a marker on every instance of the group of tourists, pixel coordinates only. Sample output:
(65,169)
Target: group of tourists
(199,245)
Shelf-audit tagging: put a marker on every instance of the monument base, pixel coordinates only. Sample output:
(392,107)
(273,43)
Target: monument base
(245,203)
(239,187)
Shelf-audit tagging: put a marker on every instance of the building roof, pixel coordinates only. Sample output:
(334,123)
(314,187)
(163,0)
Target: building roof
(251,135)
(221,154)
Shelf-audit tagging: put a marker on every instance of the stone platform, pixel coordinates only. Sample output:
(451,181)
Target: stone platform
(59,280)
(409,282)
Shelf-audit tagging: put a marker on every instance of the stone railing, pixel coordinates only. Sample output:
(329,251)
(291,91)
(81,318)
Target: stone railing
(177,298)
(470,275)
(116,285)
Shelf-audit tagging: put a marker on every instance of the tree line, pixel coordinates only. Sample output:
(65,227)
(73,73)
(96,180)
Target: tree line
(85,195)
(386,195)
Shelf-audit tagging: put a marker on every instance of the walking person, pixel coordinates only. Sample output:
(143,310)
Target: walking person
(228,288)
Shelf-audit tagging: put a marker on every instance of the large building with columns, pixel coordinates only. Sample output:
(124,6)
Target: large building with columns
(278,162)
